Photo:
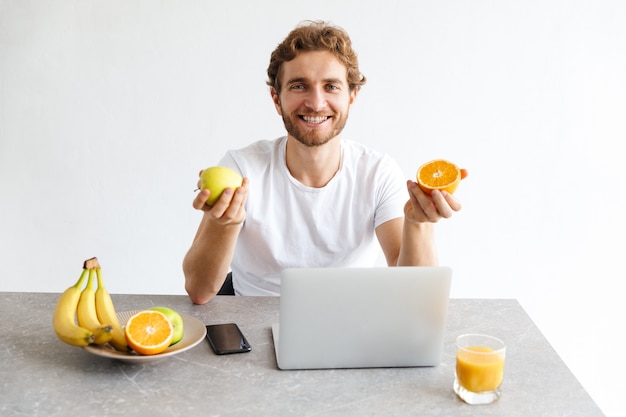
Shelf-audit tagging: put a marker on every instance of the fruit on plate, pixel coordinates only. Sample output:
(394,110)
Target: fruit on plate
(176,320)
(107,314)
(83,317)
(217,179)
(149,332)
(64,316)
(441,175)
(88,317)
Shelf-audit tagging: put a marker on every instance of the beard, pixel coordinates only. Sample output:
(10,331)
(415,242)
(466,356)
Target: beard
(310,136)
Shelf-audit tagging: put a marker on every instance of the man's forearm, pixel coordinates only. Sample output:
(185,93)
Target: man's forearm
(418,245)
(207,262)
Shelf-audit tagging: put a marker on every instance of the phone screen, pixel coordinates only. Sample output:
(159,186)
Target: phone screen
(227,338)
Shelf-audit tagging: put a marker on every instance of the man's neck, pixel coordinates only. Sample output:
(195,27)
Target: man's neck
(313,166)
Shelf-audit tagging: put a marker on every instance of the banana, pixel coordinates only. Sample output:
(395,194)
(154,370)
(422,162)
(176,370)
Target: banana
(63,318)
(106,314)
(87,315)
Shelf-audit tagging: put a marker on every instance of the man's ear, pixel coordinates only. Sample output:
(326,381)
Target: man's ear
(275,100)
(353,95)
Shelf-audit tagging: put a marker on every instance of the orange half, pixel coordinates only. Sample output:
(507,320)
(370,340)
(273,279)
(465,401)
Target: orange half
(439,174)
(149,332)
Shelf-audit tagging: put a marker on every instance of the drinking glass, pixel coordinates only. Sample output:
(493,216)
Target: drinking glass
(479,368)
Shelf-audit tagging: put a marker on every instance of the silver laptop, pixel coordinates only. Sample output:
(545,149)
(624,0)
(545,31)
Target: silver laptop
(361,317)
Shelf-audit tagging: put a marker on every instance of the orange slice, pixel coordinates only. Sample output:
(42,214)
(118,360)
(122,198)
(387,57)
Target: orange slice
(439,174)
(149,332)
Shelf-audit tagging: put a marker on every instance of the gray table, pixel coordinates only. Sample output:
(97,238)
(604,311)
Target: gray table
(41,376)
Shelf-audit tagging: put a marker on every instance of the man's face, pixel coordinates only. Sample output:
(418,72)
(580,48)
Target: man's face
(315,98)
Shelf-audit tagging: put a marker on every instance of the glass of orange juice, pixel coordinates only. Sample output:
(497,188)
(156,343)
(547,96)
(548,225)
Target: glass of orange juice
(479,368)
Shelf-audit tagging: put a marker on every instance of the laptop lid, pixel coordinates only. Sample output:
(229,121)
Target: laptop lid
(361,317)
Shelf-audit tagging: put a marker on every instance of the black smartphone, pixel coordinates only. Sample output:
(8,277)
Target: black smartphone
(227,338)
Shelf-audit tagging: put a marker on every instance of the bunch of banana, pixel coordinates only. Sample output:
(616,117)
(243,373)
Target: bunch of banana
(94,311)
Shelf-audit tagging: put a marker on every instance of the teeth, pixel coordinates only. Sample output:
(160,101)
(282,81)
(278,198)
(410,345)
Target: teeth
(311,119)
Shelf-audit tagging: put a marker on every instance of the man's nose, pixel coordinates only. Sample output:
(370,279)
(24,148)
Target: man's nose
(316,99)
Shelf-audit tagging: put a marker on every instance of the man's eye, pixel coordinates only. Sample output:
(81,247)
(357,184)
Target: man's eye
(297,87)
(333,87)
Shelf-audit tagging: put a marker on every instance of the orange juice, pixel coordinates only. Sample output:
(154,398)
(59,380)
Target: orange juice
(479,368)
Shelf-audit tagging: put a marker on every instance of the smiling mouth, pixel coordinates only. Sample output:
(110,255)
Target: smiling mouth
(315,119)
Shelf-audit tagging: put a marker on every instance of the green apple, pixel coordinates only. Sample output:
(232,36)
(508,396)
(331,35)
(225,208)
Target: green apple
(217,179)
(175,319)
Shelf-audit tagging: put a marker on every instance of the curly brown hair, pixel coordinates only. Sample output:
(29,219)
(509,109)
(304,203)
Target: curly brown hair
(316,36)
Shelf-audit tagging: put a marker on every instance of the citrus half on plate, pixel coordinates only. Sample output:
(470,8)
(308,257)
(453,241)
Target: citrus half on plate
(149,332)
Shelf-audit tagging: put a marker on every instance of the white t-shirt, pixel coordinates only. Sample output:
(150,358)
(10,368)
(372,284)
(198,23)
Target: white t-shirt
(291,225)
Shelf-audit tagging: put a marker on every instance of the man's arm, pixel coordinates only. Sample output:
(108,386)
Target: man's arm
(406,244)
(411,241)
(208,259)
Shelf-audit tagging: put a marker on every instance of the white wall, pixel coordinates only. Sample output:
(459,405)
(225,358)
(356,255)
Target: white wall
(108,109)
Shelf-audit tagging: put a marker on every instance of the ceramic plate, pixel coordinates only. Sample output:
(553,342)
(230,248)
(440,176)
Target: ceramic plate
(194,332)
